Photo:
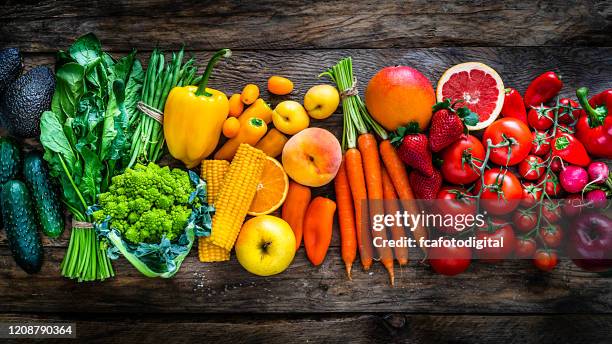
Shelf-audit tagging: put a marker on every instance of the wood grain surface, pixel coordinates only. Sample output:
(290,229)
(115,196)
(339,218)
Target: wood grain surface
(46,25)
(508,302)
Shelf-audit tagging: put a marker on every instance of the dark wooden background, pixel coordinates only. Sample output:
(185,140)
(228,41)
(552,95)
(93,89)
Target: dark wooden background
(508,302)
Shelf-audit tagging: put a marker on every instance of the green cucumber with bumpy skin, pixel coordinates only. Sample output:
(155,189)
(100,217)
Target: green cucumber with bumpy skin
(9,160)
(46,202)
(20,226)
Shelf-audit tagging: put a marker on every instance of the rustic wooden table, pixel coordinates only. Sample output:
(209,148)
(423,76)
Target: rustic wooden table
(508,302)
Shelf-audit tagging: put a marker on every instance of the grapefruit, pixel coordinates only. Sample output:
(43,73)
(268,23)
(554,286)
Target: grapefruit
(396,96)
(480,88)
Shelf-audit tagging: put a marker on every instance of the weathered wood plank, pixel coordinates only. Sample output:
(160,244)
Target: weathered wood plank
(511,287)
(44,26)
(388,328)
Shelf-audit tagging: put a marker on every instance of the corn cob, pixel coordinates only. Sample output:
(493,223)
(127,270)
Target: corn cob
(239,188)
(213,172)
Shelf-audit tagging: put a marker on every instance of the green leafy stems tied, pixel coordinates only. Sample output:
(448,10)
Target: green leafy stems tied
(356,119)
(223,53)
(160,78)
(596,115)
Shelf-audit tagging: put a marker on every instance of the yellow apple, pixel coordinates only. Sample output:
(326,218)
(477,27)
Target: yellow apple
(321,101)
(265,245)
(290,117)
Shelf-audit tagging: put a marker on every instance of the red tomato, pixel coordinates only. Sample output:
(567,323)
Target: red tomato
(567,114)
(450,261)
(552,186)
(525,248)
(524,220)
(540,117)
(456,167)
(531,168)
(503,191)
(531,194)
(551,212)
(551,235)
(496,232)
(541,143)
(456,201)
(512,131)
(555,164)
(545,260)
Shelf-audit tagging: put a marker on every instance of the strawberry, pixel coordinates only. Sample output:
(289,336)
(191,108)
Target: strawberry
(446,128)
(425,187)
(414,152)
(447,124)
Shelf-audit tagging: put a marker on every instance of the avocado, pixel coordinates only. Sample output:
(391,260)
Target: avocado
(25,100)
(10,66)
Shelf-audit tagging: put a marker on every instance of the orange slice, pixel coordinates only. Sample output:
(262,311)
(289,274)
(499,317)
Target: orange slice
(271,190)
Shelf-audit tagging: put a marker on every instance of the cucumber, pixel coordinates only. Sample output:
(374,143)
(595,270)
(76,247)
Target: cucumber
(9,160)
(46,202)
(20,226)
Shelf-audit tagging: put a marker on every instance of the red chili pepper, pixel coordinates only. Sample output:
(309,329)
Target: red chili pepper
(542,89)
(568,148)
(514,105)
(594,127)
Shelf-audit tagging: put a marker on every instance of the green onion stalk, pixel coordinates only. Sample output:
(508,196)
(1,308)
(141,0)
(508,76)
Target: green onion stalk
(160,78)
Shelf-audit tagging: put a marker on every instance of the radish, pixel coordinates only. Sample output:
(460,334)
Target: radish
(597,198)
(598,172)
(573,178)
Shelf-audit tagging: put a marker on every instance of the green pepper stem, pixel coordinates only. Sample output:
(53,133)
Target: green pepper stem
(594,116)
(226,53)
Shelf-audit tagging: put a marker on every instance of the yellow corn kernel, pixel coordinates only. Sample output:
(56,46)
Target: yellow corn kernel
(239,188)
(213,172)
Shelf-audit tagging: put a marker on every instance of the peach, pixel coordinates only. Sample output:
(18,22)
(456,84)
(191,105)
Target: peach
(312,157)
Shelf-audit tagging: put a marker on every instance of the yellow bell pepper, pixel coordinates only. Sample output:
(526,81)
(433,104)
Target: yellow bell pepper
(194,116)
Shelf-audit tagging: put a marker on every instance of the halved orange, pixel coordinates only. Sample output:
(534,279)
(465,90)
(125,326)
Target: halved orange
(271,190)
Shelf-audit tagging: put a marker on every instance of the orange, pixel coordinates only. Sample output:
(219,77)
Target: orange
(272,189)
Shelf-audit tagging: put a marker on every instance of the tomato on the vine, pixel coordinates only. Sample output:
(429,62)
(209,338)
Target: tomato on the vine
(540,117)
(551,235)
(513,132)
(531,194)
(455,201)
(524,220)
(531,168)
(503,191)
(555,165)
(451,260)
(569,111)
(551,211)
(541,143)
(552,187)
(496,231)
(461,160)
(525,248)
(545,260)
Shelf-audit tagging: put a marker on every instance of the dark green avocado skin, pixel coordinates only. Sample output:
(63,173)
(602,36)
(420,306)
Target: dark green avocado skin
(11,65)
(25,100)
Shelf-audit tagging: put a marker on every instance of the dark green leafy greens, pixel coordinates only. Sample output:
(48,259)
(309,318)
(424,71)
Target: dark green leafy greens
(87,139)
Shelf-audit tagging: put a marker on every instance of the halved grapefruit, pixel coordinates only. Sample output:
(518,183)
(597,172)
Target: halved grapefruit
(480,88)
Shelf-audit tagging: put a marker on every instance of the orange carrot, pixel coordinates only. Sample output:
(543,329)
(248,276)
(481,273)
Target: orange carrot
(346,219)
(294,209)
(399,177)
(392,207)
(354,171)
(318,224)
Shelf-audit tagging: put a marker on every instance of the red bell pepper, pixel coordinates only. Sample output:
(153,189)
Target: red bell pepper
(542,89)
(568,148)
(594,127)
(514,105)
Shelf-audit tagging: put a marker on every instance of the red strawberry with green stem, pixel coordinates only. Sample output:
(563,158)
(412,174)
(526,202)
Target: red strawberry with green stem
(425,187)
(447,124)
(413,148)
